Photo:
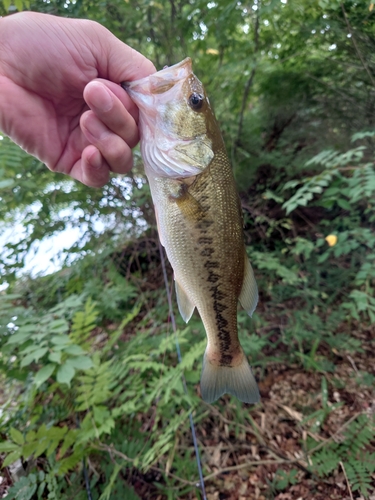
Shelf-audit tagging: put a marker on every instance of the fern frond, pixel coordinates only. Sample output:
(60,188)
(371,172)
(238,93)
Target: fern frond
(83,323)
(359,476)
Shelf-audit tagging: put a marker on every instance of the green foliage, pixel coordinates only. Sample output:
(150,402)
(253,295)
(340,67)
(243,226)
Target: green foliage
(94,387)
(45,338)
(345,190)
(358,466)
(283,479)
(24,489)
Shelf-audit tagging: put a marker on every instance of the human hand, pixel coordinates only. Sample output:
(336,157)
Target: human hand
(59,94)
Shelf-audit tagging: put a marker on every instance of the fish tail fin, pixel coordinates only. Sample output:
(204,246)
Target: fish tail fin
(237,380)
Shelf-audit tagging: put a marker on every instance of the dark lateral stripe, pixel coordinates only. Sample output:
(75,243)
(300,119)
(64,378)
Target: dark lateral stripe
(207,252)
(217,294)
(213,277)
(219,308)
(204,224)
(205,240)
(211,264)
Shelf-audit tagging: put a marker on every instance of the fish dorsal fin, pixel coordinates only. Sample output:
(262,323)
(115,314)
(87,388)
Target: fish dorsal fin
(185,306)
(249,293)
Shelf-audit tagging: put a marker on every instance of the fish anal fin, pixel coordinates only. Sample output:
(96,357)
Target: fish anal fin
(185,306)
(237,380)
(249,293)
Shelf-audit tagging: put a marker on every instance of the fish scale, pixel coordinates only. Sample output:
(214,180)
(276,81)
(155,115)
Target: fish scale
(199,220)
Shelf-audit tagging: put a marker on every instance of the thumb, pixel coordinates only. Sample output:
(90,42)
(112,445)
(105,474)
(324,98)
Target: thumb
(118,62)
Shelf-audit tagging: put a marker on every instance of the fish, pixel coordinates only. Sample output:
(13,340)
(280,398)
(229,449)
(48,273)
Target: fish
(199,219)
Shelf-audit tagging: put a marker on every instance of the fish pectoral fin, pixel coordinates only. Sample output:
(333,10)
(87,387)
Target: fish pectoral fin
(189,206)
(185,306)
(237,380)
(249,293)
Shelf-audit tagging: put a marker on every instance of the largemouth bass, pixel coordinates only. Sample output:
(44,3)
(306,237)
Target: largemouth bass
(199,220)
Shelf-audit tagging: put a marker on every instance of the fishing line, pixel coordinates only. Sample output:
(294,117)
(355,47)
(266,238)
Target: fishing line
(173,321)
(84,468)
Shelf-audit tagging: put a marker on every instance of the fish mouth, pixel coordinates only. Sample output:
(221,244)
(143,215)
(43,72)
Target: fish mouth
(159,82)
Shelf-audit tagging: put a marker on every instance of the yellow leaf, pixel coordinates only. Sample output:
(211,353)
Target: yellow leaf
(214,52)
(331,239)
(371,7)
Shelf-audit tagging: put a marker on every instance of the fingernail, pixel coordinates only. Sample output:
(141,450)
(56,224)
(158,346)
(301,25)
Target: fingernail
(100,98)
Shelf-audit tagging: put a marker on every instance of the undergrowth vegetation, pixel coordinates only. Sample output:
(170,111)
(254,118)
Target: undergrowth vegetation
(92,394)
(82,386)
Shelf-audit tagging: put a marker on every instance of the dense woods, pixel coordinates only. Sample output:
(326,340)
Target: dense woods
(92,399)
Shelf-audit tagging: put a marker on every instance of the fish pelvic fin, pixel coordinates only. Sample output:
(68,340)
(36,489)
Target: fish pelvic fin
(185,306)
(237,380)
(249,293)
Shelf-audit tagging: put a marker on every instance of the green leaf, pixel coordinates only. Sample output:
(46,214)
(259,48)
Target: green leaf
(27,360)
(59,326)
(34,356)
(70,462)
(7,4)
(342,203)
(19,338)
(60,340)
(43,374)
(39,353)
(106,495)
(55,356)
(17,436)
(12,457)
(30,436)
(18,4)
(69,440)
(362,135)
(30,348)
(65,374)
(7,446)
(74,350)
(6,183)
(29,448)
(24,489)
(80,362)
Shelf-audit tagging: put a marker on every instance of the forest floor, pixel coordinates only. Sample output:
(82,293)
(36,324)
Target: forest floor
(267,455)
(268,458)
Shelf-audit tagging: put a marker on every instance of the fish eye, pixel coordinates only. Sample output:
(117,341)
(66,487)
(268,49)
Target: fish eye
(195,101)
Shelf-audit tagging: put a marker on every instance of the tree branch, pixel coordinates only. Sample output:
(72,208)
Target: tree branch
(356,46)
(249,81)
